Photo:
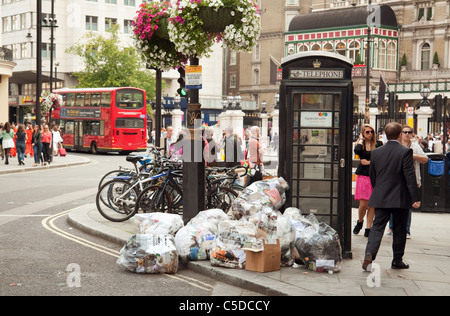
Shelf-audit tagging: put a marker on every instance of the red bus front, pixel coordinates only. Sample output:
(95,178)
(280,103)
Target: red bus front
(129,120)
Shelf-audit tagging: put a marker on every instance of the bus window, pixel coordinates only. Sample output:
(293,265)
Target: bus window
(95,99)
(130,123)
(70,101)
(94,128)
(130,99)
(64,99)
(106,99)
(79,100)
(68,127)
(87,100)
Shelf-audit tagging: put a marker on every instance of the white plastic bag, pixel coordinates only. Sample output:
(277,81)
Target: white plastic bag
(158,223)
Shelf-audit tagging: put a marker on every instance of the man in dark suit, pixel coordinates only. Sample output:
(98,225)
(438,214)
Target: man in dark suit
(394,191)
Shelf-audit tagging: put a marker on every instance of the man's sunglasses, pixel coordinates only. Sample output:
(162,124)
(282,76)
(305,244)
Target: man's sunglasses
(406,132)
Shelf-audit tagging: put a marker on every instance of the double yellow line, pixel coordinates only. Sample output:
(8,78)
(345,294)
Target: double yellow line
(49,224)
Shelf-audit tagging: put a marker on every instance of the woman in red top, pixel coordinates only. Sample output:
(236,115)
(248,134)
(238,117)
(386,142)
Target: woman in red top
(28,147)
(46,141)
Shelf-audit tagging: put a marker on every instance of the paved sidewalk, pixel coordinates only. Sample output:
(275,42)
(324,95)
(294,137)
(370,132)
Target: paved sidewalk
(58,162)
(428,253)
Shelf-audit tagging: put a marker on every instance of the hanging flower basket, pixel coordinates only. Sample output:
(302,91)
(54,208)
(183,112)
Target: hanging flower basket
(243,34)
(50,101)
(195,25)
(152,37)
(216,20)
(186,29)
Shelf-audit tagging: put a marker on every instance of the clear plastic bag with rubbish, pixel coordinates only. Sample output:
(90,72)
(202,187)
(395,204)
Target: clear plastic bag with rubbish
(272,224)
(319,248)
(270,192)
(227,247)
(158,223)
(150,254)
(194,241)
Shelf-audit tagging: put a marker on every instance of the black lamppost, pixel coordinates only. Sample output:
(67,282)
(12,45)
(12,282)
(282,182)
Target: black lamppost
(277,101)
(38,62)
(230,100)
(424,93)
(264,107)
(238,100)
(51,23)
(373,97)
(177,101)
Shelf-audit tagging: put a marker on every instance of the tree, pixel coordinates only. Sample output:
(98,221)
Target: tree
(108,63)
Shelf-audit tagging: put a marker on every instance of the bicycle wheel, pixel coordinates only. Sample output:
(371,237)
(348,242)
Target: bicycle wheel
(113,175)
(154,199)
(116,200)
(222,198)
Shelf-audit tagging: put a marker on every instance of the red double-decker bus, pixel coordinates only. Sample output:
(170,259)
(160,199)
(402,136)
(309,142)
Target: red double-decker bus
(103,119)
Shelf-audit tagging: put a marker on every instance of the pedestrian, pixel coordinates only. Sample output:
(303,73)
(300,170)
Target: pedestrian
(366,143)
(21,138)
(36,142)
(57,140)
(255,157)
(168,140)
(276,141)
(212,154)
(7,136)
(438,147)
(424,145)
(46,143)
(28,147)
(176,148)
(2,151)
(232,149)
(395,190)
(419,158)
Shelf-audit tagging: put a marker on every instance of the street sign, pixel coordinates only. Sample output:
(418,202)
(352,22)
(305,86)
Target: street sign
(194,77)
(410,115)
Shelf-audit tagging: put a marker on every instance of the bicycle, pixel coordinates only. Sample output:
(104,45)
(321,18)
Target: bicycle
(221,193)
(166,197)
(116,199)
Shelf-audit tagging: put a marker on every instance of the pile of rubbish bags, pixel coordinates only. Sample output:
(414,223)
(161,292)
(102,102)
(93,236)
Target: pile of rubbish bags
(163,241)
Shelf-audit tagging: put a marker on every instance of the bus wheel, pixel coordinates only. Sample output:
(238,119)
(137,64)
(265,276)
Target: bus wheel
(94,148)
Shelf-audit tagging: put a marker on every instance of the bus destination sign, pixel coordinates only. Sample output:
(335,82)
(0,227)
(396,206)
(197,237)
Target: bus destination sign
(80,113)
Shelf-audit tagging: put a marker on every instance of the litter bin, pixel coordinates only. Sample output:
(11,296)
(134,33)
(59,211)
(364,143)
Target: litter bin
(434,184)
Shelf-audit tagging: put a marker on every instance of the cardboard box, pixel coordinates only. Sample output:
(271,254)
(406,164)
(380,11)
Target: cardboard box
(266,260)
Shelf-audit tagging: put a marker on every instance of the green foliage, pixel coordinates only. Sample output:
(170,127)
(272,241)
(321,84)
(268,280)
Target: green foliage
(436,58)
(404,60)
(358,60)
(108,63)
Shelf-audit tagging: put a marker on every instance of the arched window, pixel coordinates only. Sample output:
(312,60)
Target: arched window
(303,48)
(353,50)
(382,55)
(340,48)
(328,47)
(375,55)
(425,57)
(316,47)
(391,56)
